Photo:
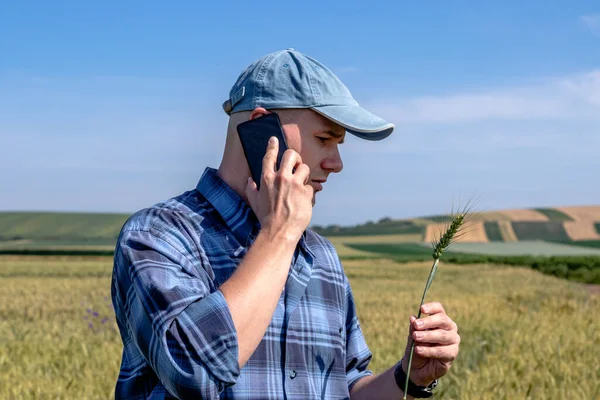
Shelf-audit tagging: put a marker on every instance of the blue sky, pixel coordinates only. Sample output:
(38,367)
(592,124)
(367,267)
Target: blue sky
(113,107)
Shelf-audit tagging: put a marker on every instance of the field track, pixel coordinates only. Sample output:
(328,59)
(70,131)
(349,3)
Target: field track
(581,230)
(473,232)
(583,213)
(524,215)
(490,216)
(507,231)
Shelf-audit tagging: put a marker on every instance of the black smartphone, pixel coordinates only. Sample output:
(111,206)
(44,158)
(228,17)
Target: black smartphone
(254,135)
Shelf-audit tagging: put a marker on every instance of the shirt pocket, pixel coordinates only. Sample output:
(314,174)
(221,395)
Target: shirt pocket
(326,352)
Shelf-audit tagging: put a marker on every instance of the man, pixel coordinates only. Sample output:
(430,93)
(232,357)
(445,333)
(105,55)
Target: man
(224,292)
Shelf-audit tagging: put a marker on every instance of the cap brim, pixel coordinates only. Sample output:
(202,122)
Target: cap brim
(357,121)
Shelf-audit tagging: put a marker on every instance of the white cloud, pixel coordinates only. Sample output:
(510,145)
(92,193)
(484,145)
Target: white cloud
(551,117)
(592,21)
(575,96)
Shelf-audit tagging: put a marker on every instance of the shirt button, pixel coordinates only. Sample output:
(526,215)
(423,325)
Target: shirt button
(293,374)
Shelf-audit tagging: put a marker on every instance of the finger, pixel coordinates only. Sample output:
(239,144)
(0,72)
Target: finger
(436,321)
(270,158)
(302,173)
(411,329)
(413,320)
(438,336)
(290,160)
(442,353)
(433,308)
(251,190)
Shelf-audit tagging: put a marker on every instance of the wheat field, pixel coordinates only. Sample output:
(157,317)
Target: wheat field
(524,335)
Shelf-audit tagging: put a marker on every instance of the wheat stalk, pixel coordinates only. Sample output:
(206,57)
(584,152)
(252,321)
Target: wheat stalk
(446,239)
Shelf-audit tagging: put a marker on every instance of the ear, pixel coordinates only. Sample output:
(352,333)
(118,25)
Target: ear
(259,112)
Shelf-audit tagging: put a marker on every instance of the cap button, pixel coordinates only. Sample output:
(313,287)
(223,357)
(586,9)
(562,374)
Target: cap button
(291,49)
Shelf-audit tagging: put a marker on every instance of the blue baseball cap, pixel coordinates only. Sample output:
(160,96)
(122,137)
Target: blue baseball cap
(290,79)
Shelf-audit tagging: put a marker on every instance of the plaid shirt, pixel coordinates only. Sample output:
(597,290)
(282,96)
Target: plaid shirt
(179,340)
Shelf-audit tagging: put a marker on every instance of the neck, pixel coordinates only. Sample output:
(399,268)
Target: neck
(234,171)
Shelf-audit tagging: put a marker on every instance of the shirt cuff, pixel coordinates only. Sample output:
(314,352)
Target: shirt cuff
(354,375)
(216,340)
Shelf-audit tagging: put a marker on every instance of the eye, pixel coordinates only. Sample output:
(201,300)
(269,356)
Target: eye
(322,139)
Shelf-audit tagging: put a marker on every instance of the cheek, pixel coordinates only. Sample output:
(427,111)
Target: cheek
(314,162)
(311,155)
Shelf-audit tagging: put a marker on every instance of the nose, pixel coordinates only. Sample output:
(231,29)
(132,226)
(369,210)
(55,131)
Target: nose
(333,162)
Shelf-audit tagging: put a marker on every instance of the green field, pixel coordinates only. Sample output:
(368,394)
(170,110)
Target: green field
(380,228)
(492,231)
(531,248)
(570,262)
(60,226)
(584,243)
(523,334)
(398,251)
(418,251)
(553,214)
(532,230)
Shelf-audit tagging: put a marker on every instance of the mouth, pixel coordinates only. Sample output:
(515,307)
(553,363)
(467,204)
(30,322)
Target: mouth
(318,184)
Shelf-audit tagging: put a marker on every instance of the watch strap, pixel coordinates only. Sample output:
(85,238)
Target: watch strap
(416,391)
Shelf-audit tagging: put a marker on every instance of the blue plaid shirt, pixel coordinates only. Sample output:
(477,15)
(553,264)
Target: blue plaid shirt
(179,340)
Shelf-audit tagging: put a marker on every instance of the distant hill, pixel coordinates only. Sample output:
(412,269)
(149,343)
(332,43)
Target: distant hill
(59,229)
(100,230)
(576,223)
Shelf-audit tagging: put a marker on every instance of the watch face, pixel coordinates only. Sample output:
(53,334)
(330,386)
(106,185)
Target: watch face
(432,385)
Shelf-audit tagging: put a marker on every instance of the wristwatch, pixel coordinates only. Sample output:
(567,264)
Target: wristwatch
(416,391)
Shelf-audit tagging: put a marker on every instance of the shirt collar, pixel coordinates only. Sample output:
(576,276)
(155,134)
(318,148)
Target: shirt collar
(234,210)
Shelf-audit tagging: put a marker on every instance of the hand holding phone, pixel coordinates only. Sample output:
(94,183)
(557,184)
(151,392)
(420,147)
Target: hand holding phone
(254,136)
(284,205)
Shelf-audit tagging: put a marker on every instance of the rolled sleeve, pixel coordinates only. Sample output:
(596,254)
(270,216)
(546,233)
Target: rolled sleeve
(358,355)
(178,320)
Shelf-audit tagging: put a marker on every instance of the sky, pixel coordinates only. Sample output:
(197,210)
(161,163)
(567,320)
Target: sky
(112,107)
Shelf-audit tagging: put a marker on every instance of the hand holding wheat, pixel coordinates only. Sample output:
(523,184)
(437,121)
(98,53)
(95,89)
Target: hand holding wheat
(449,236)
